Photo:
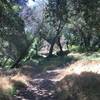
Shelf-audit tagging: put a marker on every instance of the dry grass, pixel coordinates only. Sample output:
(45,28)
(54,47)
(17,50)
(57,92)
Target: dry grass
(9,84)
(5,83)
(21,78)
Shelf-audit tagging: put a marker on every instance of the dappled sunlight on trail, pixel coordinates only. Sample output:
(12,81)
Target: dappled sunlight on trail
(85,66)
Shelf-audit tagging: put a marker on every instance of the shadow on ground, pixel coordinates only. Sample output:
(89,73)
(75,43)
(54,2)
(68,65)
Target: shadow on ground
(50,63)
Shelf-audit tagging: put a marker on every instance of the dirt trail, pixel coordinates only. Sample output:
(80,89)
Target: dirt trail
(43,86)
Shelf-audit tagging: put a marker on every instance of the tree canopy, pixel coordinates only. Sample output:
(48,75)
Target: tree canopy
(77,20)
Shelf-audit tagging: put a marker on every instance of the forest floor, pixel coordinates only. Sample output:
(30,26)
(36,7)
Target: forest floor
(80,76)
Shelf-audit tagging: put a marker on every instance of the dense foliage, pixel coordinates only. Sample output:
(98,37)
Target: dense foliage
(12,36)
(77,20)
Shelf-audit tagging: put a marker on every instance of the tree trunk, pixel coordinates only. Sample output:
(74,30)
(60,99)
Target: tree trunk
(55,39)
(59,44)
(20,58)
(17,62)
(22,55)
(51,48)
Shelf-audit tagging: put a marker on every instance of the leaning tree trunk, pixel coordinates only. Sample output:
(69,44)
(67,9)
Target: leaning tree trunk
(59,44)
(22,56)
(57,41)
(51,48)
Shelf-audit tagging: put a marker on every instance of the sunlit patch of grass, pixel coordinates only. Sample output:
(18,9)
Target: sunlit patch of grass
(9,84)
(92,56)
(5,83)
(74,48)
(20,78)
(86,56)
(6,88)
